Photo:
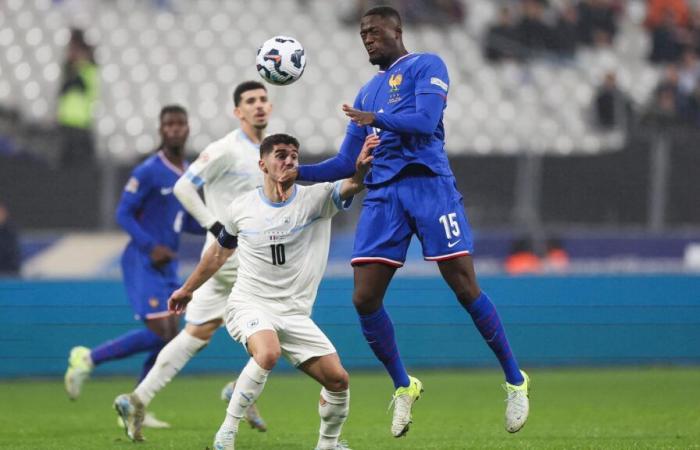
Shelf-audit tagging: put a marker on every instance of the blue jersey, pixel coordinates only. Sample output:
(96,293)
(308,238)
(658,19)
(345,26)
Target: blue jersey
(394,92)
(150,212)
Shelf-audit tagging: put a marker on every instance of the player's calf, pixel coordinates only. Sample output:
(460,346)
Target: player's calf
(252,414)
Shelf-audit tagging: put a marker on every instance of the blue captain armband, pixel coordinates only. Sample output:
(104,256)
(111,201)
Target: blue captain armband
(226,240)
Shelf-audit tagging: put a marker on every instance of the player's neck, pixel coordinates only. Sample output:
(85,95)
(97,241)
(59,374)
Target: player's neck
(274,193)
(401,53)
(174,155)
(254,134)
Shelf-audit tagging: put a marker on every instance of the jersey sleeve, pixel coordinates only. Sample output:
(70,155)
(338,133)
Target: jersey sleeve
(133,197)
(232,215)
(329,198)
(207,167)
(431,75)
(192,226)
(353,128)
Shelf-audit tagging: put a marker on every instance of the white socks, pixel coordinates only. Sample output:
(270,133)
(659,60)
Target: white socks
(171,359)
(249,386)
(333,414)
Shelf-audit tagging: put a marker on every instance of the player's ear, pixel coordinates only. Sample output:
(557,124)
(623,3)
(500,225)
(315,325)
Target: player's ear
(237,113)
(262,166)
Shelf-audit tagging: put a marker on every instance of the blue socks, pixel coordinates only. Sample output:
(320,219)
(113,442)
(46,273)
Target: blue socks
(135,341)
(488,323)
(379,333)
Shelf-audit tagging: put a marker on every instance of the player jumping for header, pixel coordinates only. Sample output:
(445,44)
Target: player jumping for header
(411,190)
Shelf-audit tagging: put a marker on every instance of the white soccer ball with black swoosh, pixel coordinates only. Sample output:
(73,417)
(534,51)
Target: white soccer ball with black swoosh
(281,60)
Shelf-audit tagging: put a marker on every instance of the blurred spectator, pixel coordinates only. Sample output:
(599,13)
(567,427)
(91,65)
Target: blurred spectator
(414,12)
(688,72)
(79,91)
(522,258)
(9,245)
(532,30)
(613,107)
(557,258)
(666,41)
(565,33)
(9,129)
(667,100)
(596,22)
(658,11)
(502,38)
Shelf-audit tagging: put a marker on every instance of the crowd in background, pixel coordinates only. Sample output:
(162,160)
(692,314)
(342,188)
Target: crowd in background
(527,29)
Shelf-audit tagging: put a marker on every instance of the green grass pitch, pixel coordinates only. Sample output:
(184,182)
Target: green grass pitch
(570,408)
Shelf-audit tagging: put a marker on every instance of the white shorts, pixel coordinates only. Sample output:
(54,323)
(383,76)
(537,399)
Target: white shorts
(300,338)
(209,301)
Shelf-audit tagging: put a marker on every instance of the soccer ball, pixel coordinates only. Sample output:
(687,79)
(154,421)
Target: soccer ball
(281,60)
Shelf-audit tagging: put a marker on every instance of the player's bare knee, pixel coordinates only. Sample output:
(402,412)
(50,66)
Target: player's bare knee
(204,331)
(337,380)
(366,303)
(267,358)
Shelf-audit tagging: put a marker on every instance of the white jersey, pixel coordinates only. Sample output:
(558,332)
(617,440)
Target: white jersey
(282,247)
(225,170)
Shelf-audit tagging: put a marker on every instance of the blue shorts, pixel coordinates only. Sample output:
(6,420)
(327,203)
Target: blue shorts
(416,202)
(147,288)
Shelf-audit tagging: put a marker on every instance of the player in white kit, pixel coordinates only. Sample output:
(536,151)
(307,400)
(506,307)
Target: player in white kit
(282,247)
(224,171)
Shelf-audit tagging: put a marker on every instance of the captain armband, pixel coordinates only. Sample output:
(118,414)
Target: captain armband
(226,240)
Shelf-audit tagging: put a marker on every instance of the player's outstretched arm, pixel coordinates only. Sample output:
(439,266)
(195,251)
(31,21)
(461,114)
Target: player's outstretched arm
(211,262)
(336,168)
(355,184)
(423,121)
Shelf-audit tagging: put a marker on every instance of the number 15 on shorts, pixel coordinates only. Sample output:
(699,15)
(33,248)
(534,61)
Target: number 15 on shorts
(449,221)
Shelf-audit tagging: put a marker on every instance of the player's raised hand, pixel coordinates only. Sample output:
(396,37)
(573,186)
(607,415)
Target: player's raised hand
(365,158)
(361,118)
(177,303)
(288,176)
(161,255)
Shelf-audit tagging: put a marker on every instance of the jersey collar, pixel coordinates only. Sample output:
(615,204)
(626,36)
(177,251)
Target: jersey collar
(396,62)
(166,162)
(269,202)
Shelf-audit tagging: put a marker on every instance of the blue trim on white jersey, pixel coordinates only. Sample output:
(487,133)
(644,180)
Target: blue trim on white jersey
(339,202)
(301,227)
(269,202)
(194,179)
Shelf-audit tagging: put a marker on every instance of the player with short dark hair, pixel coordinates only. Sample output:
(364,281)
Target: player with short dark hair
(282,233)
(152,216)
(410,190)
(225,170)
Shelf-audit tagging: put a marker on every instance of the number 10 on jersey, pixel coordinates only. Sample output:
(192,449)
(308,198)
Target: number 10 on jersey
(278,257)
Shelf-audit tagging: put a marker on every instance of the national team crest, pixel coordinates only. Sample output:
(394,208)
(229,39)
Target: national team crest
(395,81)
(153,302)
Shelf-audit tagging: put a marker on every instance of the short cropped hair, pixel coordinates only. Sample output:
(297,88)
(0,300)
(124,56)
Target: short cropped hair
(244,87)
(385,12)
(168,109)
(268,144)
